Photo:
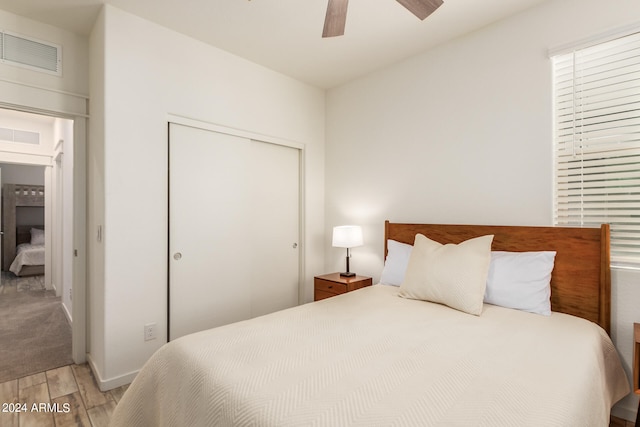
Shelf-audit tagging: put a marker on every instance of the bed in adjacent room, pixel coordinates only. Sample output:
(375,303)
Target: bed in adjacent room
(389,355)
(30,252)
(22,244)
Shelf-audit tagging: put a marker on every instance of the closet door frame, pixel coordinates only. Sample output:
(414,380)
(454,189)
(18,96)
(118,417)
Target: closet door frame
(185,121)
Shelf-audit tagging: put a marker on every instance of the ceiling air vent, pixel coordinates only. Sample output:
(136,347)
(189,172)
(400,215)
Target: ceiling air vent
(21,136)
(30,53)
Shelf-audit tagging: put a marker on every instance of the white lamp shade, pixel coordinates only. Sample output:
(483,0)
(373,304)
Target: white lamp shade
(347,236)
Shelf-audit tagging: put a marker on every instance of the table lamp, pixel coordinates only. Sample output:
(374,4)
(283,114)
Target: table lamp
(347,236)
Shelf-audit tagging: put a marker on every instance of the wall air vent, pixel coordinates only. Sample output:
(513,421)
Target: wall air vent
(21,136)
(30,53)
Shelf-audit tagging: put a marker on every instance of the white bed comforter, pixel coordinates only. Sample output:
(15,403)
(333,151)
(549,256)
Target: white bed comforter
(371,358)
(27,254)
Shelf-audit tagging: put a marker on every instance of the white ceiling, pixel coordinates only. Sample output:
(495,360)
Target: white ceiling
(285,35)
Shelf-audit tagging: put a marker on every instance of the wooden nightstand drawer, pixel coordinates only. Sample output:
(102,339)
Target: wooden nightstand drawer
(318,295)
(330,285)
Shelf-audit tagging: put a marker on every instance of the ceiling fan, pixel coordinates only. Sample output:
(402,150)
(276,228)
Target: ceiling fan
(337,13)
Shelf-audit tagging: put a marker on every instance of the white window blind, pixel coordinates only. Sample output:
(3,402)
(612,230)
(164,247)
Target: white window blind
(597,142)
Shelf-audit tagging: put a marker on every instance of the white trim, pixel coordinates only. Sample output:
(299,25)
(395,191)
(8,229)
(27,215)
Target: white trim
(48,228)
(47,102)
(63,114)
(48,89)
(186,121)
(67,314)
(79,280)
(110,384)
(58,148)
(605,36)
(26,159)
(302,224)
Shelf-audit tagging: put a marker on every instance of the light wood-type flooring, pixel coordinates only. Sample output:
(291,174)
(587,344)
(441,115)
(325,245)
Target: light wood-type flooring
(71,392)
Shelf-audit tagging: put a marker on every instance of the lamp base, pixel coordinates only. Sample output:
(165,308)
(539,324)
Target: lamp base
(347,274)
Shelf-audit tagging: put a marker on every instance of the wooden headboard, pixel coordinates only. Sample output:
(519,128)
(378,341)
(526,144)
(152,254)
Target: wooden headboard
(581,278)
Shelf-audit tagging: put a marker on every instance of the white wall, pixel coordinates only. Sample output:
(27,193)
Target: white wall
(18,174)
(96,198)
(463,134)
(141,74)
(21,121)
(24,87)
(75,64)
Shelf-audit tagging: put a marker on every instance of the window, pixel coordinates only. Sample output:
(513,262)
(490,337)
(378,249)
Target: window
(597,142)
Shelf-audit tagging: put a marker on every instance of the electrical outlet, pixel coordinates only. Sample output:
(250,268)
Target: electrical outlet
(70,295)
(150,331)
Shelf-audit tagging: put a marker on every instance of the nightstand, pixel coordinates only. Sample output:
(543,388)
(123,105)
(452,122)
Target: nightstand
(330,285)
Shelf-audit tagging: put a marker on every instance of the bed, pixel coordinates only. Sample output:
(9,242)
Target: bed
(14,198)
(30,252)
(370,357)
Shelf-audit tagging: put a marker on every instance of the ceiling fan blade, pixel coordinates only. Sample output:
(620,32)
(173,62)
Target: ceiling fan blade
(335,19)
(421,8)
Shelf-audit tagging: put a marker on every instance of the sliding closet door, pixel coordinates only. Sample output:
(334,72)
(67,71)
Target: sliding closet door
(209,220)
(275,224)
(233,229)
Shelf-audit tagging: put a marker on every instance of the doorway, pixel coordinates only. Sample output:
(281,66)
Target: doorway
(35,329)
(47,142)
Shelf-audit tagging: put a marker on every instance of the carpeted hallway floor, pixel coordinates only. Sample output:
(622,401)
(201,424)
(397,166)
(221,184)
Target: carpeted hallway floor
(35,335)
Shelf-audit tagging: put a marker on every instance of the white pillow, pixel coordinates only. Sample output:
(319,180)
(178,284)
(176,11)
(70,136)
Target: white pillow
(521,280)
(396,263)
(37,236)
(453,275)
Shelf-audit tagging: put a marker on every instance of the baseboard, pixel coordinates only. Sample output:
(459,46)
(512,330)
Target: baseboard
(66,313)
(109,384)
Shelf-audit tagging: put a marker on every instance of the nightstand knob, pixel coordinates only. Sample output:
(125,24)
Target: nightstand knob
(295,245)
(177,256)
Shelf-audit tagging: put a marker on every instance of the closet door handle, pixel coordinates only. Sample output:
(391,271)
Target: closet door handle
(177,256)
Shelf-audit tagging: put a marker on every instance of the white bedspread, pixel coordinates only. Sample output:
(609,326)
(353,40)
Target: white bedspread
(370,358)
(27,254)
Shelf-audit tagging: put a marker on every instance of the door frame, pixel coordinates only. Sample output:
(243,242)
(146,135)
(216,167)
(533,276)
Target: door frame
(79,277)
(186,121)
